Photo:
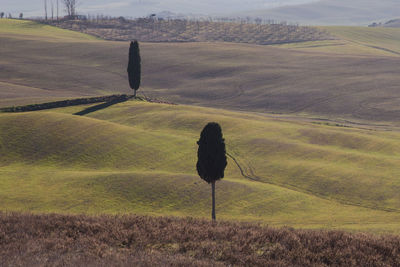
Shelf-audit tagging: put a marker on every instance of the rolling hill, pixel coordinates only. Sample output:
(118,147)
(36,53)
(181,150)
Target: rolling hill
(334,12)
(352,78)
(138,157)
(354,40)
(296,169)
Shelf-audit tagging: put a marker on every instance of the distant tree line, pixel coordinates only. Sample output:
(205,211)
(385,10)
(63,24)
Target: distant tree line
(153,29)
(100,18)
(51,9)
(20,16)
(69,8)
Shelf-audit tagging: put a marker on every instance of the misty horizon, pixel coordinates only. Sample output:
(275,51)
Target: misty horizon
(142,8)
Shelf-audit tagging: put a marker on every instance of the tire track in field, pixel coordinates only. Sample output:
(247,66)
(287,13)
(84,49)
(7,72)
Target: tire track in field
(241,169)
(373,47)
(295,188)
(382,49)
(73,66)
(323,100)
(319,101)
(239,91)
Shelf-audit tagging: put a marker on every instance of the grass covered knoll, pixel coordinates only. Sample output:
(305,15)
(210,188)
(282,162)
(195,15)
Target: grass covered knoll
(386,39)
(138,157)
(353,165)
(57,240)
(26,29)
(355,41)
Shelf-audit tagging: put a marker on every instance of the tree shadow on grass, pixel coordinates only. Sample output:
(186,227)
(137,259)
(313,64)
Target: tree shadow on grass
(107,104)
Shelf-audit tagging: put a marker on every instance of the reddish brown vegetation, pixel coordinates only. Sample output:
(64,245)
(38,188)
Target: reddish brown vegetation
(138,240)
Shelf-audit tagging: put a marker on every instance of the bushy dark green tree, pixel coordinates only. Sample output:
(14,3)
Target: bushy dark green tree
(211,157)
(134,66)
(1,14)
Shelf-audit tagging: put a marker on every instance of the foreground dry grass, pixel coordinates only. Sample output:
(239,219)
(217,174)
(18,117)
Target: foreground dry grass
(146,241)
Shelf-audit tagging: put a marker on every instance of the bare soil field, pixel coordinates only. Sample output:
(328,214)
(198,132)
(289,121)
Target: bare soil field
(62,240)
(232,76)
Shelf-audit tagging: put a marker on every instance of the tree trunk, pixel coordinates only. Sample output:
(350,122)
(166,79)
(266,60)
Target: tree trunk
(213,200)
(134,94)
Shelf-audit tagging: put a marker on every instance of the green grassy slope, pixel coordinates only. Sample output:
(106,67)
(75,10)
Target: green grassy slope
(231,76)
(26,29)
(140,157)
(385,39)
(355,41)
(334,162)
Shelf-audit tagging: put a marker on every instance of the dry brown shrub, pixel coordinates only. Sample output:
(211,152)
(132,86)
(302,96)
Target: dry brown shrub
(54,240)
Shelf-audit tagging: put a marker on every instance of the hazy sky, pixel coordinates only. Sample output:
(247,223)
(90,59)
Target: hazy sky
(137,8)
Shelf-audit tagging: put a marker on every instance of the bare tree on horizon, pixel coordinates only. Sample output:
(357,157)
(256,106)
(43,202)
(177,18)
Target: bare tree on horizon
(52,9)
(70,7)
(45,9)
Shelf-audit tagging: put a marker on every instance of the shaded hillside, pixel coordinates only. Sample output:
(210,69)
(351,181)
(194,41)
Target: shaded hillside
(152,30)
(350,85)
(334,12)
(59,240)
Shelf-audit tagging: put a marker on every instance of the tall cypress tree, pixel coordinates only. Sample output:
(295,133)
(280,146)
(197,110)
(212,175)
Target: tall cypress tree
(134,67)
(211,156)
